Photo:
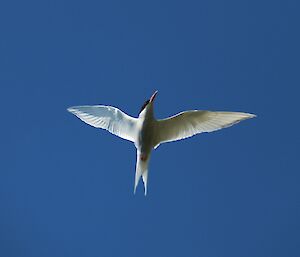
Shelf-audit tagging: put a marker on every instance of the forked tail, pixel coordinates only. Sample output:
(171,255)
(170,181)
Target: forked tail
(141,170)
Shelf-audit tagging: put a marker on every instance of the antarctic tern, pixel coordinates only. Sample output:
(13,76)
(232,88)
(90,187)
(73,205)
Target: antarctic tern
(147,133)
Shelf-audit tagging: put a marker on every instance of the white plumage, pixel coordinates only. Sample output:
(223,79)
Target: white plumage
(109,118)
(147,133)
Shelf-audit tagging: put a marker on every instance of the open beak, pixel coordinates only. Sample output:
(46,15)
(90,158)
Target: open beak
(153,96)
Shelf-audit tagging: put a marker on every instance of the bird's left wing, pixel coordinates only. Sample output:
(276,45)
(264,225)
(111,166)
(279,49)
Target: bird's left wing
(109,118)
(189,123)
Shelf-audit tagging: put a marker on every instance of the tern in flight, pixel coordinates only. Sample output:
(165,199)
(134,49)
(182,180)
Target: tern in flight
(147,133)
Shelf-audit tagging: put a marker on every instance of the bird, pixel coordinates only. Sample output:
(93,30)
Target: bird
(147,132)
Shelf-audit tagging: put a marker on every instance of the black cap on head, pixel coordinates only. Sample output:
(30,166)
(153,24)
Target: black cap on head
(144,105)
(149,101)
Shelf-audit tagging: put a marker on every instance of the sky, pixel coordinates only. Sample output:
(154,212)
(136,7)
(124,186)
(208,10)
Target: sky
(66,189)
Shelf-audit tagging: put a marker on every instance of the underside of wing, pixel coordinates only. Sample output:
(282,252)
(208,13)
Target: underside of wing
(109,118)
(189,123)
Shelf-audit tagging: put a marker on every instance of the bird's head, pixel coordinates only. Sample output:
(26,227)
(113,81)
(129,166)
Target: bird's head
(148,105)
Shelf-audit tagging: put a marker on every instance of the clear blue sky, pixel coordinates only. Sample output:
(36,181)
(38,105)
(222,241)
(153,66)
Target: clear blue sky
(66,189)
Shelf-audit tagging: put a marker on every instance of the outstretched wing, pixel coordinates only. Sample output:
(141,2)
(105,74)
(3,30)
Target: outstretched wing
(189,123)
(109,118)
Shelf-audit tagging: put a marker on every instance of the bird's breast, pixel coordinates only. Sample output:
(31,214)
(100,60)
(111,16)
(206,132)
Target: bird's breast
(146,136)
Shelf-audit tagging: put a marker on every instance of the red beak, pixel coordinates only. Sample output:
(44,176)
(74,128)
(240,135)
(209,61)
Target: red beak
(153,96)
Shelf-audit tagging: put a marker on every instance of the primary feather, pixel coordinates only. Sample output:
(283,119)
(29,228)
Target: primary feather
(189,123)
(109,118)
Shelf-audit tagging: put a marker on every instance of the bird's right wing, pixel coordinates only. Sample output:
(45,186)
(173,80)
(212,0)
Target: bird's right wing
(109,118)
(189,123)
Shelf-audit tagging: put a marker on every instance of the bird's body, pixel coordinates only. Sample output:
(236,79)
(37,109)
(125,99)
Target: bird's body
(144,144)
(147,133)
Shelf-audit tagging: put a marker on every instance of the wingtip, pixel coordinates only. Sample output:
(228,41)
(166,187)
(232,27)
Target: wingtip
(72,109)
(248,115)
